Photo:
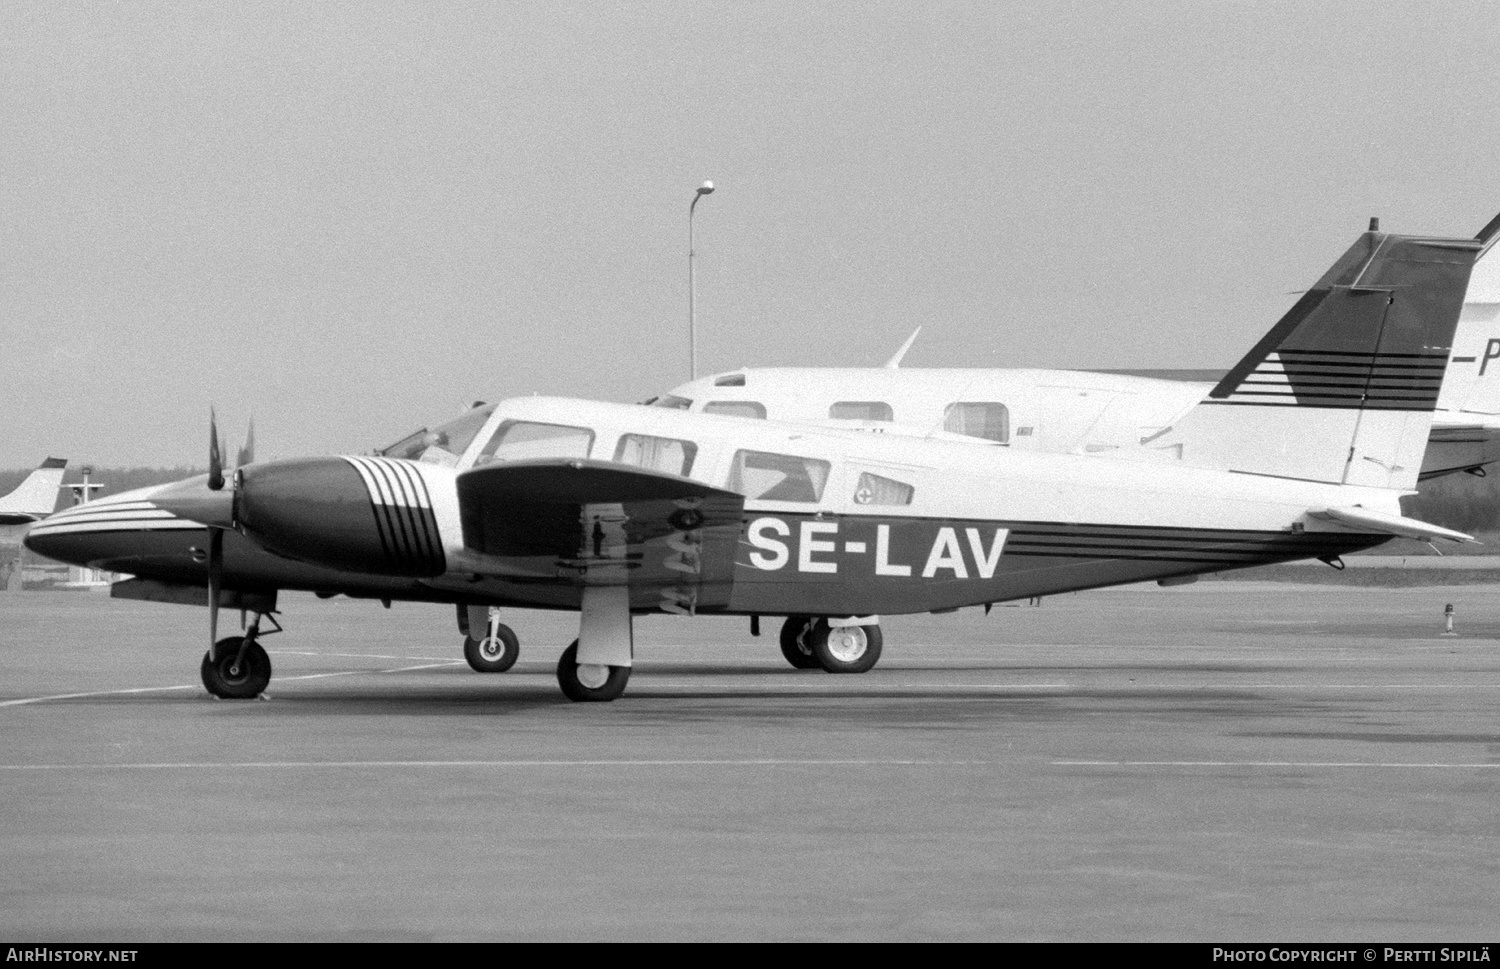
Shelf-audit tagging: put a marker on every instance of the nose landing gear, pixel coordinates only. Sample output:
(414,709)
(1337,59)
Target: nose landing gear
(490,646)
(495,653)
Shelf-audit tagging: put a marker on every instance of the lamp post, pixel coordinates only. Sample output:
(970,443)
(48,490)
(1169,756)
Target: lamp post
(707,188)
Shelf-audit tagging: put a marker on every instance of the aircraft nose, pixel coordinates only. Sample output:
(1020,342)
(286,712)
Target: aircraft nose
(60,544)
(115,531)
(359,514)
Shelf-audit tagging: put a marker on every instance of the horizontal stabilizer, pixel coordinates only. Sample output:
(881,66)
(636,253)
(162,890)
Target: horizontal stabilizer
(1465,433)
(1362,520)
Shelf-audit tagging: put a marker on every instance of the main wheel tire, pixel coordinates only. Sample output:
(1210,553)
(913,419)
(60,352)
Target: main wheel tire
(794,642)
(589,684)
(227,681)
(495,655)
(846,649)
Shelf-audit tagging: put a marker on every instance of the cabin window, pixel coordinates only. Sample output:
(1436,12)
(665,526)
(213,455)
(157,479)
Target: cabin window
(527,440)
(444,444)
(990,421)
(670,402)
(861,410)
(736,408)
(656,453)
(873,489)
(778,477)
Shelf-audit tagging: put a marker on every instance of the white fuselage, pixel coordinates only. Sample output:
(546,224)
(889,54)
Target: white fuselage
(1087,412)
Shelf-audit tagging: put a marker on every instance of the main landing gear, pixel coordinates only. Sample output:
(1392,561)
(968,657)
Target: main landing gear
(596,667)
(837,646)
(490,646)
(237,668)
(589,682)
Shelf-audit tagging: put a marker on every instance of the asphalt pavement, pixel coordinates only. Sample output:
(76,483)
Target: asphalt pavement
(1228,761)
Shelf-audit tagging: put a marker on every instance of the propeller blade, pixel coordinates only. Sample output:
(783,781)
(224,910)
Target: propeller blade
(247,453)
(215,582)
(215,454)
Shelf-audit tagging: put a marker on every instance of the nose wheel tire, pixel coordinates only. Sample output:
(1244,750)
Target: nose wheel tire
(795,642)
(589,683)
(493,654)
(845,649)
(236,677)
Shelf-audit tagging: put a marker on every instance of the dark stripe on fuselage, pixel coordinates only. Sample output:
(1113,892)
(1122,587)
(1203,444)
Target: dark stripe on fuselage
(1229,548)
(851,564)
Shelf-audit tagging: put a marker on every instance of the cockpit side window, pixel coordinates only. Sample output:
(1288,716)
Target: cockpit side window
(526,440)
(736,408)
(444,444)
(861,410)
(656,453)
(985,419)
(778,477)
(670,402)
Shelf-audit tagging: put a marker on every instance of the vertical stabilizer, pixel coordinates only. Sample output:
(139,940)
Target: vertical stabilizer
(1343,388)
(36,497)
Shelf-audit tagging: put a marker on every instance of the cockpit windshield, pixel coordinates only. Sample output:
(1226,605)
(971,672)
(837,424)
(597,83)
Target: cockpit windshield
(444,444)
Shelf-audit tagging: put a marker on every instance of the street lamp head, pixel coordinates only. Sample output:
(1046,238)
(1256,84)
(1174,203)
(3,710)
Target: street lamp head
(707,188)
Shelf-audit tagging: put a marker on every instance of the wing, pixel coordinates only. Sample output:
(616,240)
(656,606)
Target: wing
(670,539)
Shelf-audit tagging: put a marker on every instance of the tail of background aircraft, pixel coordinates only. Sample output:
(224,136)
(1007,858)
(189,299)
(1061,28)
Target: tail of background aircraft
(1473,381)
(36,497)
(1343,388)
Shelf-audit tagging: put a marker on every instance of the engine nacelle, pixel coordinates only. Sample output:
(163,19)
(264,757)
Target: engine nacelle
(363,514)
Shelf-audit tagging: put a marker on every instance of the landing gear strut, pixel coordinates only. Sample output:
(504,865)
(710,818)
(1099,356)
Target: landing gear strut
(237,668)
(597,666)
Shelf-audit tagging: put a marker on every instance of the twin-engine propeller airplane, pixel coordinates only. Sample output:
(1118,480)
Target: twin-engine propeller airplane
(616,510)
(1084,412)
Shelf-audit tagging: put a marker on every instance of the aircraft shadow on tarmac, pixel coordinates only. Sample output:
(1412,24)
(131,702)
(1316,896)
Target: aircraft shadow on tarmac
(806,696)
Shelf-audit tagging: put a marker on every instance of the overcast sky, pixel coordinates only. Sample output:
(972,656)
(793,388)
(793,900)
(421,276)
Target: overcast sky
(352,219)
